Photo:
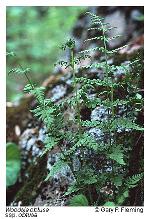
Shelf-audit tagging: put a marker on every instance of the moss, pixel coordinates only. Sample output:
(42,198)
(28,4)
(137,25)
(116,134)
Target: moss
(31,187)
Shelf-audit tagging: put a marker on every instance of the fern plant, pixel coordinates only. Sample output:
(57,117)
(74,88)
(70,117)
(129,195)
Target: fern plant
(114,149)
(46,111)
(102,163)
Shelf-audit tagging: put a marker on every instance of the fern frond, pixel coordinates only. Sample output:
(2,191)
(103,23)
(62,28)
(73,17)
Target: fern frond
(97,82)
(88,141)
(39,94)
(10,54)
(80,58)
(122,197)
(101,29)
(107,39)
(56,168)
(19,71)
(48,102)
(28,88)
(95,38)
(94,16)
(132,181)
(97,124)
(112,38)
(86,177)
(116,50)
(92,49)
(50,142)
(117,155)
(125,123)
(63,64)
(112,125)
(72,189)
(45,114)
(96,19)
(101,23)
(69,44)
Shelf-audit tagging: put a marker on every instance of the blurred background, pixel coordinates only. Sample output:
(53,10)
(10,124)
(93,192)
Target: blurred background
(34,35)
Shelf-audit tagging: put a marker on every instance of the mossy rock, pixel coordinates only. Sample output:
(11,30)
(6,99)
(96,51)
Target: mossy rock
(31,188)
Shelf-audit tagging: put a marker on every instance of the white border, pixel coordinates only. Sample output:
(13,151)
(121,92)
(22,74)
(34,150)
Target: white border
(65,211)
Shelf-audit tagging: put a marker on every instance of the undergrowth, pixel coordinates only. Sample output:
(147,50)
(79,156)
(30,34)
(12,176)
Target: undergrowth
(94,184)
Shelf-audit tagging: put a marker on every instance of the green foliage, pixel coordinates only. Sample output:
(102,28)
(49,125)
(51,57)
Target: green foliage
(33,33)
(93,154)
(78,200)
(19,71)
(129,183)
(72,189)
(13,163)
(48,113)
(111,204)
(110,149)
(50,143)
(117,155)
(132,181)
(56,168)
(86,177)
(87,141)
(122,197)
(118,180)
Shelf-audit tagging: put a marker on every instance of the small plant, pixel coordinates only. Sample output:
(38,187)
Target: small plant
(93,185)
(13,163)
(46,110)
(78,200)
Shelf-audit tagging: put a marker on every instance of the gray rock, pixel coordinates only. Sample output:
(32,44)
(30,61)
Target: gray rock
(117,18)
(122,70)
(76,163)
(100,113)
(136,14)
(96,133)
(64,172)
(30,143)
(58,92)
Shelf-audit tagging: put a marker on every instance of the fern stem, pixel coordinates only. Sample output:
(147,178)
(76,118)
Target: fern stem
(29,80)
(112,99)
(106,72)
(106,59)
(76,92)
(112,94)
(27,77)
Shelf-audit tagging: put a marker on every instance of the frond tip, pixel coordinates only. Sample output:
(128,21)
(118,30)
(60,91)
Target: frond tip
(132,181)
(19,71)
(56,168)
